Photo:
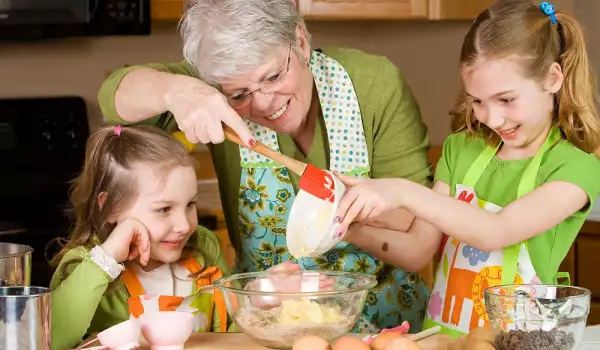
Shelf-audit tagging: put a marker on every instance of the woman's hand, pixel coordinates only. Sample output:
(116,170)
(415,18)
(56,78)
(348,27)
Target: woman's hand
(366,199)
(128,241)
(199,110)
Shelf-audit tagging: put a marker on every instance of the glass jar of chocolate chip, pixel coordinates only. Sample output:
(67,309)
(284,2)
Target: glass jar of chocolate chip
(537,317)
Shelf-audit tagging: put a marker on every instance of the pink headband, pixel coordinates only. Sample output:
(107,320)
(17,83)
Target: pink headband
(118,129)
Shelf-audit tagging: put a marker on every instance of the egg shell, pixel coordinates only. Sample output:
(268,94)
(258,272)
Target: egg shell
(402,343)
(381,341)
(311,342)
(350,342)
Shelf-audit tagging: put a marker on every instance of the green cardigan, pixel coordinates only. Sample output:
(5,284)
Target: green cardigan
(83,303)
(397,138)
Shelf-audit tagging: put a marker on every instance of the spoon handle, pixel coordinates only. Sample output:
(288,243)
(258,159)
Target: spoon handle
(424,334)
(293,165)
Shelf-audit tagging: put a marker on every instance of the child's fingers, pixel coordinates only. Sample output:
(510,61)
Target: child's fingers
(132,254)
(366,211)
(347,180)
(350,197)
(143,245)
(351,213)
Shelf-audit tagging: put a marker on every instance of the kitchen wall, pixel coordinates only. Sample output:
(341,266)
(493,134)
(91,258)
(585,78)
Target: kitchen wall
(426,53)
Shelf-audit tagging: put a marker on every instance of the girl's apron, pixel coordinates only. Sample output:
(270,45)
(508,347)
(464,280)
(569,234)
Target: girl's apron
(266,195)
(464,272)
(205,302)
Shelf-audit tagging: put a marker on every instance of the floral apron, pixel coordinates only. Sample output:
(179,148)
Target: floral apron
(205,302)
(266,196)
(464,272)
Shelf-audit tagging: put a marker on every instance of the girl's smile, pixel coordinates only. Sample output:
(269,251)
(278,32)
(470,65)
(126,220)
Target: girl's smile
(166,204)
(517,108)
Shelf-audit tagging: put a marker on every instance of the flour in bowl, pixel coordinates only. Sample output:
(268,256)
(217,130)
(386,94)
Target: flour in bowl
(293,319)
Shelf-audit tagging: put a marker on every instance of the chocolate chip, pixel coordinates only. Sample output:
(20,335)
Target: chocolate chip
(535,340)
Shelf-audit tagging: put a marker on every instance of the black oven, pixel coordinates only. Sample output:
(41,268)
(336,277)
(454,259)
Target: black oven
(42,148)
(36,19)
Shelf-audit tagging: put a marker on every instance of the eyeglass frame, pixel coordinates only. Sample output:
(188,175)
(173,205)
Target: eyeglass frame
(247,96)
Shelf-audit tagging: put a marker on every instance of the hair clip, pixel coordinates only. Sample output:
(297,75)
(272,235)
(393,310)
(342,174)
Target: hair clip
(548,9)
(118,129)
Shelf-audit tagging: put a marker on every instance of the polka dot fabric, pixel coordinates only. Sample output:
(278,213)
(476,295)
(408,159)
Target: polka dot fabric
(348,148)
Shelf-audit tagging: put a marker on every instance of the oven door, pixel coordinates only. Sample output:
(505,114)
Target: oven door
(42,12)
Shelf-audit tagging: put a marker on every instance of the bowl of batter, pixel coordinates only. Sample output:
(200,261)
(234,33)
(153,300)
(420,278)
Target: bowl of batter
(275,308)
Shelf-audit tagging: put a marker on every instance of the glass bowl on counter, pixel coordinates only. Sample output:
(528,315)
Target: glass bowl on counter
(275,308)
(538,316)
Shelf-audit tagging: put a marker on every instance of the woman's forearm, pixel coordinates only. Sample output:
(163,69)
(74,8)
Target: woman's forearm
(141,94)
(410,251)
(398,220)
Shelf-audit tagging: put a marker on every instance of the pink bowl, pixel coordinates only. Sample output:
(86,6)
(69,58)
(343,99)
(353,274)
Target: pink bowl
(167,330)
(122,336)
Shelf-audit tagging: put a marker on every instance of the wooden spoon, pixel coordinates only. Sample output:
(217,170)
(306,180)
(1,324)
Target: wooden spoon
(293,165)
(313,180)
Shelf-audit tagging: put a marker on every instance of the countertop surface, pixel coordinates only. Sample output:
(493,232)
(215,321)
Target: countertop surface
(591,338)
(236,341)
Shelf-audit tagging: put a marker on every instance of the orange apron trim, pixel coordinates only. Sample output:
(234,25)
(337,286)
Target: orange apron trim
(170,303)
(208,276)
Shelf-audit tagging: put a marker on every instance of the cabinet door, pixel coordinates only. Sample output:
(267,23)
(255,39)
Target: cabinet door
(457,9)
(363,9)
(166,10)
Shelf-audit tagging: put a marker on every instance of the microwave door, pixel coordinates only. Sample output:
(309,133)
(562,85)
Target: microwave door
(41,12)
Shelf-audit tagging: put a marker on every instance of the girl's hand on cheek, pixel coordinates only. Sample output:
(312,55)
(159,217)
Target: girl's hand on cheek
(129,240)
(364,199)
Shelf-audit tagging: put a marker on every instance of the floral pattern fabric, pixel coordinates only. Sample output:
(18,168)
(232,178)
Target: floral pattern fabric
(266,195)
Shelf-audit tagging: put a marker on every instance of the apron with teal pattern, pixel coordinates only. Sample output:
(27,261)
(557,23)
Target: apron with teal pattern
(266,196)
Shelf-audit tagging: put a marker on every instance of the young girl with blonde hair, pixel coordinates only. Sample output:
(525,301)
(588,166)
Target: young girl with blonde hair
(517,177)
(136,233)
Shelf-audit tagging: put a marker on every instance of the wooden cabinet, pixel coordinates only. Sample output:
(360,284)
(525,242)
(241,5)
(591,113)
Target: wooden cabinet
(363,9)
(391,9)
(581,263)
(457,9)
(347,10)
(166,10)
(584,264)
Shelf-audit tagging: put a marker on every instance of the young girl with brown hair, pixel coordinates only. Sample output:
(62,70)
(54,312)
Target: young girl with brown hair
(136,233)
(517,177)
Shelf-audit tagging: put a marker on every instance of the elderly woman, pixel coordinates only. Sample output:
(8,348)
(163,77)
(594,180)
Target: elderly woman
(339,109)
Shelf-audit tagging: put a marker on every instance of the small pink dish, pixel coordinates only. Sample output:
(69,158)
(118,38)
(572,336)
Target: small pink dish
(167,330)
(122,336)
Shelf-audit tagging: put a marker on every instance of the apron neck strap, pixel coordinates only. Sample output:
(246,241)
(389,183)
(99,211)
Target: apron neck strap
(510,255)
(527,183)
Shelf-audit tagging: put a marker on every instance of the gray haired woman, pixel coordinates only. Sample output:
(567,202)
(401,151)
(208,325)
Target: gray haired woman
(249,64)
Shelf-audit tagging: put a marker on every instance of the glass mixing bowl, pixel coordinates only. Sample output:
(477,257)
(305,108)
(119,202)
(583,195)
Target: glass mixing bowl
(277,307)
(538,316)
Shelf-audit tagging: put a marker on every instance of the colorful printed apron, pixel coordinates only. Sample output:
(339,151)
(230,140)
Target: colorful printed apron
(205,302)
(464,272)
(266,195)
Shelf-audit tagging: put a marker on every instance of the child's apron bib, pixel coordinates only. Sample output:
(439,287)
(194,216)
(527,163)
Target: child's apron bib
(464,272)
(205,302)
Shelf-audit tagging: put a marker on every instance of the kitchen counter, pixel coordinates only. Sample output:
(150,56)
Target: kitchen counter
(236,341)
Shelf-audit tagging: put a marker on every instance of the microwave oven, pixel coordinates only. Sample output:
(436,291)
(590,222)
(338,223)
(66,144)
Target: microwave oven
(36,19)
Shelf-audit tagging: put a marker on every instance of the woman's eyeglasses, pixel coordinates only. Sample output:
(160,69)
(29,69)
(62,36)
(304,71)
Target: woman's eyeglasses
(241,99)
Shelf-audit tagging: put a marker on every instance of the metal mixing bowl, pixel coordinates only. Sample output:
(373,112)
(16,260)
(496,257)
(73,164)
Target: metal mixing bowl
(546,315)
(277,307)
